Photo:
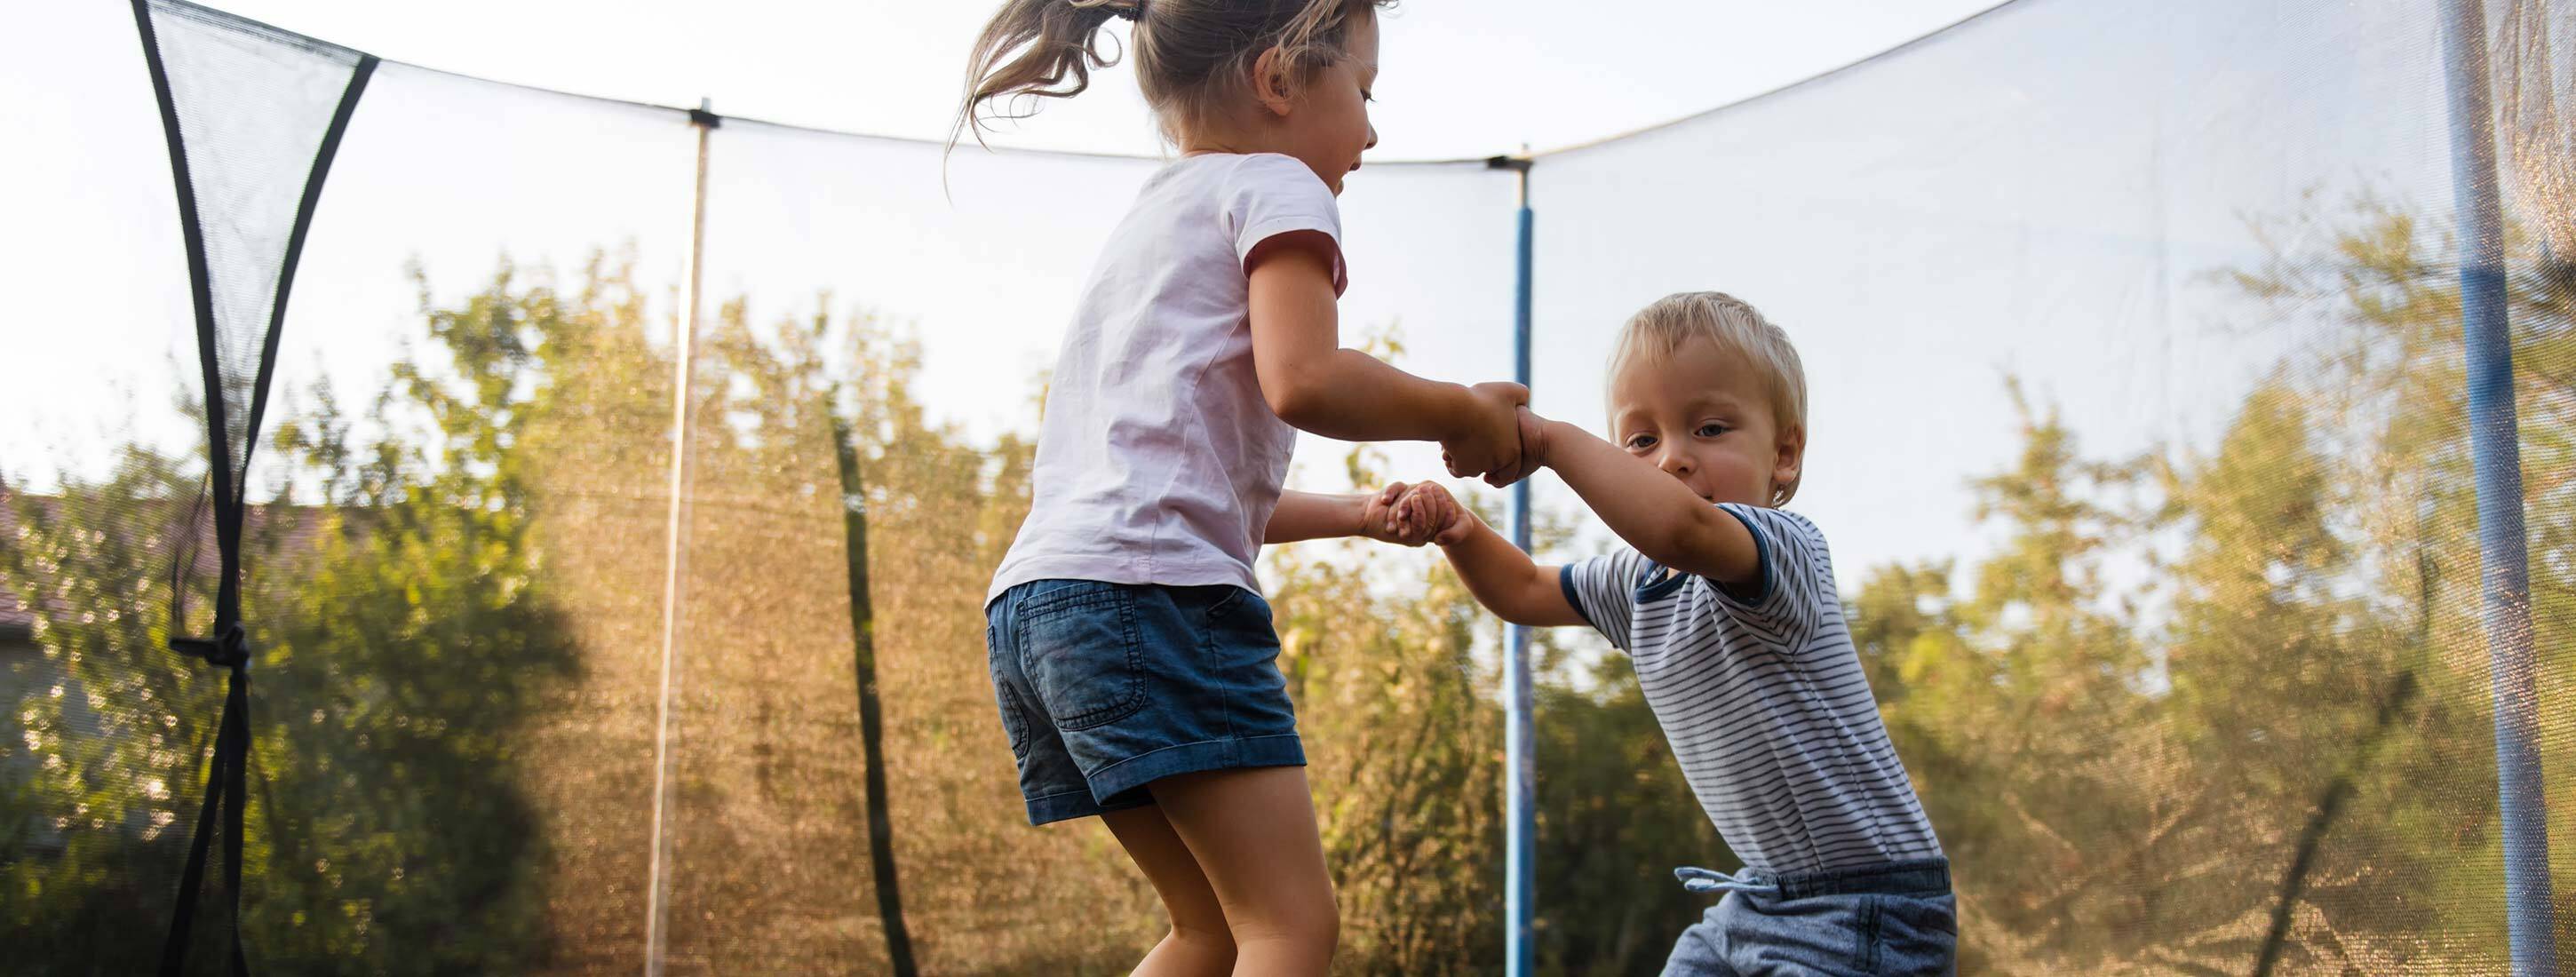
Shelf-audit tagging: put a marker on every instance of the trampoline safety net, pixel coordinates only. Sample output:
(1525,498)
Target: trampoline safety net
(472,529)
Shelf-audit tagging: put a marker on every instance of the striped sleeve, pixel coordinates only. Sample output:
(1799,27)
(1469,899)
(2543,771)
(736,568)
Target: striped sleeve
(1786,606)
(1604,590)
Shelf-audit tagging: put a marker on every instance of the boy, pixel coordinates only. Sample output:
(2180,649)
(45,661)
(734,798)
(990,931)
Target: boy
(1726,606)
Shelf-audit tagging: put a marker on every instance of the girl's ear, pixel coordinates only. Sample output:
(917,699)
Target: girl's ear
(1788,461)
(1273,84)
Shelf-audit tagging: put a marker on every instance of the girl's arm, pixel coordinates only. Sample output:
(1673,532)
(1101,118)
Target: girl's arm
(1316,385)
(1504,579)
(1311,515)
(1651,510)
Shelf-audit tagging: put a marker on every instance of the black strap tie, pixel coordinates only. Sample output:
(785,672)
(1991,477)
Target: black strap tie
(228,649)
(226,785)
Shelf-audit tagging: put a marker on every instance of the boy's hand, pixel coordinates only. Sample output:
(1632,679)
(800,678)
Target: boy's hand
(1533,430)
(1430,509)
(1490,442)
(1533,445)
(1383,519)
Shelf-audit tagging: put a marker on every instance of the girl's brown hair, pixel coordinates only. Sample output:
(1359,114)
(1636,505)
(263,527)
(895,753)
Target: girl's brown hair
(1192,56)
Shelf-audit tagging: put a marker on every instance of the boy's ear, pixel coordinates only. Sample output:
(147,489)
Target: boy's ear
(1788,462)
(1273,85)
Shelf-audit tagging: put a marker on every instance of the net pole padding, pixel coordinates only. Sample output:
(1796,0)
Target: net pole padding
(2494,438)
(1520,770)
(684,342)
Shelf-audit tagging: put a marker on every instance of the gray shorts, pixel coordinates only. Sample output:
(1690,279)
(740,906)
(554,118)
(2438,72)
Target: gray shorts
(1897,918)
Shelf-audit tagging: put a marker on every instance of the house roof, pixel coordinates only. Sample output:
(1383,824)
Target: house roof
(18,615)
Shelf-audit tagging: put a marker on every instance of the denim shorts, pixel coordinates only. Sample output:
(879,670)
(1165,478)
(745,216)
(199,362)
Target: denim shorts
(1105,688)
(1897,918)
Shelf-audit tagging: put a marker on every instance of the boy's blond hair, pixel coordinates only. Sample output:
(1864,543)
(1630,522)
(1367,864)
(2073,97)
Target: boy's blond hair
(1656,331)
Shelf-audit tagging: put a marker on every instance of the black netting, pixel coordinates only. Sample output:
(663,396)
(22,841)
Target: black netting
(2140,368)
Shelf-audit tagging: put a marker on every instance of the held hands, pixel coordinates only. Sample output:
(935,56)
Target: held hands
(1425,512)
(1429,509)
(1490,443)
(1533,430)
(1384,518)
(1411,515)
(1530,437)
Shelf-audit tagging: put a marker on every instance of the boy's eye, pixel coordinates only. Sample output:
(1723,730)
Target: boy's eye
(1641,442)
(1366,96)
(1711,429)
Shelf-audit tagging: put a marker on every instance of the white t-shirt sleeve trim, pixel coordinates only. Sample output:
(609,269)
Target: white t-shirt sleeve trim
(1273,195)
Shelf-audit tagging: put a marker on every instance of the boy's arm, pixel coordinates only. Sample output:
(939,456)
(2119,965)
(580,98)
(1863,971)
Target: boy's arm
(1651,510)
(1315,384)
(1504,579)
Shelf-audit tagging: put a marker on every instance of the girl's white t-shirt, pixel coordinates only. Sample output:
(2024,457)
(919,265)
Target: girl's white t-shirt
(1158,460)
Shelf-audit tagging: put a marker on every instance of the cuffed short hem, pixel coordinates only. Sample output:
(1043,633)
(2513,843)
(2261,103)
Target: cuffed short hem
(1119,781)
(1077,804)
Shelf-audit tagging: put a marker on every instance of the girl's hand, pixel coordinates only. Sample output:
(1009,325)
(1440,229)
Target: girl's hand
(1383,518)
(1533,446)
(1489,442)
(1430,507)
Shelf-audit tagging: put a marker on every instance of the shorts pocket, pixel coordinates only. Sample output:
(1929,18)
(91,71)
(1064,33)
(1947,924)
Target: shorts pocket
(1238,643)
(1238,602)
(1238,623)
(1080,648)
(1913,936)
(1015,721)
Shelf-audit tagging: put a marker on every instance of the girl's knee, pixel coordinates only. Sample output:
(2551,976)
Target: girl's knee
(1212,949)
(1203,936)
(1312,923)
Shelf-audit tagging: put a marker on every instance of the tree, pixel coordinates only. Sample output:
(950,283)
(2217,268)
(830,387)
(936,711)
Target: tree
(2385,398)
(109,727)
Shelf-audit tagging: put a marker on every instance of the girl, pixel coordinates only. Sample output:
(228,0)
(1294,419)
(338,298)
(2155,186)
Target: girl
(1132,656)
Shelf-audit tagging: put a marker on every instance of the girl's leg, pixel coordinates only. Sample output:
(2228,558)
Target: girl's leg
(1252,832)
(1199,944)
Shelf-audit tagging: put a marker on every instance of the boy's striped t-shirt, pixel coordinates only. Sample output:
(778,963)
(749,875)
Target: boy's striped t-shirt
(1761,695)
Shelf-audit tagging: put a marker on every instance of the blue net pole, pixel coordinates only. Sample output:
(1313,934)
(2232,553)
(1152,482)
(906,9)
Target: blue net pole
(2494,443)
(1520,768)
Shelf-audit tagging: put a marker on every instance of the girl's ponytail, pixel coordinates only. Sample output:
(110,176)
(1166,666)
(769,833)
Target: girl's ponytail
(1037,49)
(1192,56)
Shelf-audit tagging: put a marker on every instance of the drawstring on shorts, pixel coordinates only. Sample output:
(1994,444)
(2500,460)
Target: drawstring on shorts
(1708,880)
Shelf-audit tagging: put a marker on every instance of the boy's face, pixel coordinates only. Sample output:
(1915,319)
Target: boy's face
(1703,415)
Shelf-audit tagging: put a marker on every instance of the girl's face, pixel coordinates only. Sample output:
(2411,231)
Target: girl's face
(1327,125)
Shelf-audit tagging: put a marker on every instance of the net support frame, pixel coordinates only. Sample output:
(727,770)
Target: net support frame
(227,643)
(1520,763)
(684,344)
(2494,445)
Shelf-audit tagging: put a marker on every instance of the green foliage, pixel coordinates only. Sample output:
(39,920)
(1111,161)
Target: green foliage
(401,639)
(2280,741)
(2191,706)
(409,643)
(106,733)
(1615,817)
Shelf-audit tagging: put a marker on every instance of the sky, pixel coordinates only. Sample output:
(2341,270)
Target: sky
(1459,78)
(2049,192)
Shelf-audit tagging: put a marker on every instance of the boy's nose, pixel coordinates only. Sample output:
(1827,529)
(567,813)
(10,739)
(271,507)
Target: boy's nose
(1372,143)
(1675,463)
